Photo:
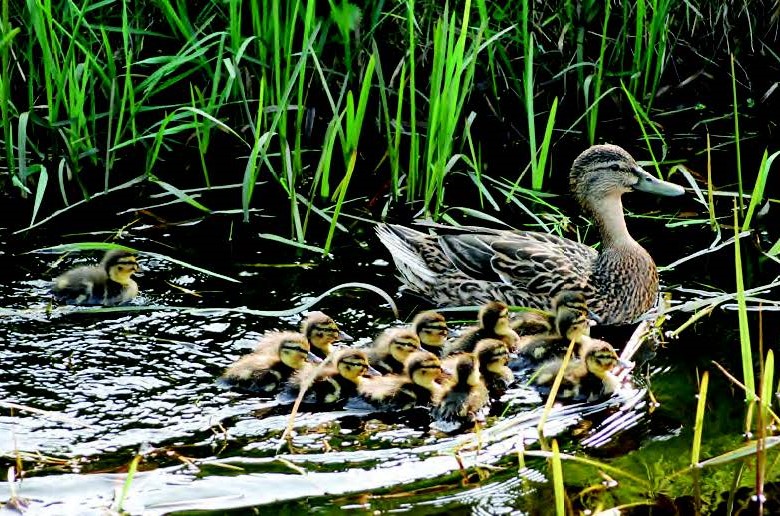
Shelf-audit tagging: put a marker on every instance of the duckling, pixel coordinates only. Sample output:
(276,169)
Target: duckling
(539,322)
(431,328)
(493,357)
(334,384)
(493,324)
(588,376)
(570,324)
(273,362)
(418,386)
(322,332)
(107,284)
(464,395)
(391,349)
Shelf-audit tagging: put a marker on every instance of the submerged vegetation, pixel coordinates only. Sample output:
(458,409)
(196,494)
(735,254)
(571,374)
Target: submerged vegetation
(324,113)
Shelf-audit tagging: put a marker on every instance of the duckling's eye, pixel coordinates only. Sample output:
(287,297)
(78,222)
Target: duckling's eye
(615,167)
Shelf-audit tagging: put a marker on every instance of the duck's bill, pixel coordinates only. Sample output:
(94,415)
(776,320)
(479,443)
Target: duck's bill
(594,317)
(651,184)
(313,358)
(372,372)
(345,337)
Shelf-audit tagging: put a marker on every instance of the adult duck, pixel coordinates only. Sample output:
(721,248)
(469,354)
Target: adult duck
(472,265)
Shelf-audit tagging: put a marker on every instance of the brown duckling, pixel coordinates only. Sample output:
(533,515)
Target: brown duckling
(570,324)
(587,377)
(493,324)
(540,322)
(463,396)
(418,386)
(391,349)
(273,362)
(431,328)
(493,357)
(335,383)
(322,332)
(107,284)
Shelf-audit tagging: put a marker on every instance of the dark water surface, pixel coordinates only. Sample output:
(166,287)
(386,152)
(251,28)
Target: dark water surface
(142,380)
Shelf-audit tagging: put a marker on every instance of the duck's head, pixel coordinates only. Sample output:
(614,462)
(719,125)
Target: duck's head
(423,367)
(495,316)
(572,317)
(120,265)
(431,328)
(402,344)
(352,364)
(492,354)
(322,331)
(600,357)
(605,172)
(466,370)
(293,350)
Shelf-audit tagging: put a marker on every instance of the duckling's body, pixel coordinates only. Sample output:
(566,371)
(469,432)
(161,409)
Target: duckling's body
(571,323)
(542,322)
(322,332)
(431,328)
(107,284)
(472,265)
(463,396)
(391,349)
(334,384)
(493,324)
(493,357)
(587,377)
(418,386)
(264,371)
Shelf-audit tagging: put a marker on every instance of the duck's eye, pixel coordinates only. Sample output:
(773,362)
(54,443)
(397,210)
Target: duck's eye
(615,167)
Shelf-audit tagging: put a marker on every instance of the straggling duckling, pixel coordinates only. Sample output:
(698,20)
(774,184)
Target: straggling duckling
(540,322)
(278,356)
(391,349)
(464,395)
(322,332)
(493,357)
(588,377)
(107,284)
(418,386)
(333,384)
(493,324)
(431,328)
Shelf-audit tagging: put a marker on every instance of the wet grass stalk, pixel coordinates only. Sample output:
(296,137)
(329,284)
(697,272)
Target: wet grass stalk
(744,330)
(596,80)
(131,470)
(710,197)
(7,36)
(413,172)
(737,137)
(758,189)
(557,474)
(697,432)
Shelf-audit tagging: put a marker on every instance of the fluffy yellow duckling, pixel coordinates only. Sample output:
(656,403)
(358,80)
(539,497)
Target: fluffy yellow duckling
(391,349)
(266,370)
(463,396)
(322,332)
(493,324)
(493,357)
(431,328)
(570,324)
(334,384)
(107,284)
(588,377)
(540,322)
(418,386)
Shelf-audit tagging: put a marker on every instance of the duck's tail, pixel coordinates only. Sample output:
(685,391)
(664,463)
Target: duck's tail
(407,247)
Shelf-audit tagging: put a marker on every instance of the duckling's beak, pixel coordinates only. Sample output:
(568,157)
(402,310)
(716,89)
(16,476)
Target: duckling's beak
(313,358)
(594,317)
(625,364)
(651,184)
(345,337)
(372,372)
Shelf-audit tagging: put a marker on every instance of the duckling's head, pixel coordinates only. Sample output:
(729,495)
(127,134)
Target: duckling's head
(492,354)
(571,323)
(603,172)
(293,350)
(402,344)
(423,367)
(120,265)
(494,316)
(352,364)
(571,299)
(322,331)
(431,328)
(467,370)
(600,357)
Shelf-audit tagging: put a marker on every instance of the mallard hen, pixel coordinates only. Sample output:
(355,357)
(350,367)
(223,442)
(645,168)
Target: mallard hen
(473,265)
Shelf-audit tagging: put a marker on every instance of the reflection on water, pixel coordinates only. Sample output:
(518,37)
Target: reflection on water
(143,379)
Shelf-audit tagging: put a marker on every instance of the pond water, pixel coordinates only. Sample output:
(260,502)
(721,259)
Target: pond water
(141,380)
